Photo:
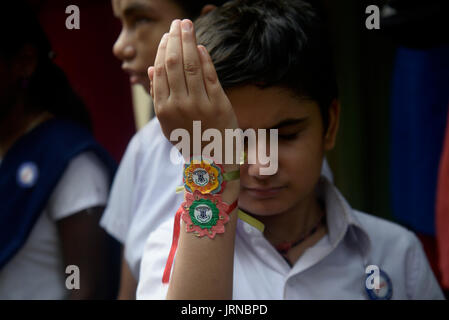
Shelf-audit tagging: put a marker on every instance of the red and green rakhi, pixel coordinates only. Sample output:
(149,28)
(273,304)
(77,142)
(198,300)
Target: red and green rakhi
(206,214)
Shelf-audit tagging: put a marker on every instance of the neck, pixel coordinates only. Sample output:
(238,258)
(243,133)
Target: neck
(17,123)
(294,223)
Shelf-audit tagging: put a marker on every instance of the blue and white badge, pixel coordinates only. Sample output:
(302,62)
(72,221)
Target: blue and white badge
(203,213)
(200,177)
(384,290)
(27,174)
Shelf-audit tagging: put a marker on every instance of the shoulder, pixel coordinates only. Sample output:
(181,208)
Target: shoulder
(135,159)
(151,134)
(144,144)
(388,239)
(87,160)
(399,252)
(84,184)
(137,186)
(381,230)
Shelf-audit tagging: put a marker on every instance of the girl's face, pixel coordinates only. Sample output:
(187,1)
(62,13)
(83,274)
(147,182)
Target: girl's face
(301,146)
(143,24)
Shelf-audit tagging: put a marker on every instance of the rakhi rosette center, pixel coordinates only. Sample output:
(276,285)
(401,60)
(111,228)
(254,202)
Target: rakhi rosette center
(203,176)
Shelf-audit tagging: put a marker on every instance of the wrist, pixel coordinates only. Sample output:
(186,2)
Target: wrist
(211,194)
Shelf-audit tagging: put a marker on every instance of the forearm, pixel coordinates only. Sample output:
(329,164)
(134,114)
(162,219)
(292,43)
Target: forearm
(128,284)
(204,267)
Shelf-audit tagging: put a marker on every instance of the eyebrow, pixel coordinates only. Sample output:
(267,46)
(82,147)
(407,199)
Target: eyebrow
(289,122)
(136,8)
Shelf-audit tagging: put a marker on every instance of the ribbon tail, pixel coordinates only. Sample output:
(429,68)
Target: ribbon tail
(174,246)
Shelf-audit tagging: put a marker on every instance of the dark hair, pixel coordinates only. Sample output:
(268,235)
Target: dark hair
(193,7)
(271,43)
(48,88)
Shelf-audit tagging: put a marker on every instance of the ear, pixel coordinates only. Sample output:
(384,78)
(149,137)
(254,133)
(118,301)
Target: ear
(207,8)
(332,129)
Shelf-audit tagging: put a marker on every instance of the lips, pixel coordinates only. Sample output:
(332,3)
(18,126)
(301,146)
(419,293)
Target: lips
(263,193)
(136,77)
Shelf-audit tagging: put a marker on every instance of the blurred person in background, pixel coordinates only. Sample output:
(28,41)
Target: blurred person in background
(54,177)
(137,205)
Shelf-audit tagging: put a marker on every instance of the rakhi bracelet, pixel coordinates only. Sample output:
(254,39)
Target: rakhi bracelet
(176,230)
(203,210)
(203,215)
(206,176)
(206,214)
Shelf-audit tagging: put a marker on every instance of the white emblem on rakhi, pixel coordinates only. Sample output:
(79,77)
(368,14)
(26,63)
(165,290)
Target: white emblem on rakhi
(203,213)
(200,177)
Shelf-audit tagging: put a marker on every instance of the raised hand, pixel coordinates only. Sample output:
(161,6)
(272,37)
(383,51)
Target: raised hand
(185,86)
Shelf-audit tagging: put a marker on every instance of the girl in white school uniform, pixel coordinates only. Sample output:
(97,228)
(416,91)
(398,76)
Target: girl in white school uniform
(54,177)
(294,235)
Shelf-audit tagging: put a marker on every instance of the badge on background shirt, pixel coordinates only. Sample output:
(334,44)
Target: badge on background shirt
(385,291)
(27,174)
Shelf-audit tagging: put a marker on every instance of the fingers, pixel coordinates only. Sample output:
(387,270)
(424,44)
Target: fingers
(174,61)
(192,64)
(182,68)
(161,89)
(212,85)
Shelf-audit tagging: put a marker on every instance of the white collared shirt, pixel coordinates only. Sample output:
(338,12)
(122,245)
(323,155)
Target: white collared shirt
(334,268)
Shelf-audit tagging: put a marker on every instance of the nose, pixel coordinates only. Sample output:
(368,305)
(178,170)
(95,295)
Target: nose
(123,48)
(253,165)
(253,171)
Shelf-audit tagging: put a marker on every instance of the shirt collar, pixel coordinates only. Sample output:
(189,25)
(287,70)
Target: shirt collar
(342,223)
(341,219)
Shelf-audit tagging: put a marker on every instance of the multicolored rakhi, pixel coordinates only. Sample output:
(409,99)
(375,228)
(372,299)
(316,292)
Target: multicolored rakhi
(206,177)
(206,214)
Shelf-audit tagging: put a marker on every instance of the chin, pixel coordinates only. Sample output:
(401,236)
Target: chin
(145,84)
(266,207)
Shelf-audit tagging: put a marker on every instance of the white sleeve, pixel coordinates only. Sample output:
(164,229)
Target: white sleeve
(119,212)
(84,184)
(421,282)
(154,258)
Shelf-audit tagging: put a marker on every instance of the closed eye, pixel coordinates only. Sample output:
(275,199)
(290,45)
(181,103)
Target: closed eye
(141,20)
(288,136)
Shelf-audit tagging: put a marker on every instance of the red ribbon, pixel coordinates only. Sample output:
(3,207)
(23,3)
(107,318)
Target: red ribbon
(174,244)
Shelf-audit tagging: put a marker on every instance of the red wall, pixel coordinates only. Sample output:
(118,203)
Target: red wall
(86,57)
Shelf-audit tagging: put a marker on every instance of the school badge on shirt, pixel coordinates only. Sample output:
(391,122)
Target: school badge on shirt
(385,290)
(27,174)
